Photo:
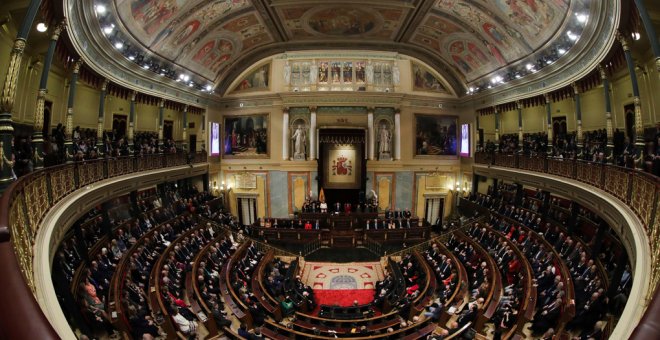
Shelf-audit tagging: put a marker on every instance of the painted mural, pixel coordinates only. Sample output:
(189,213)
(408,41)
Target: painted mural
(245,136)
(307,21)
(424,80)
(193,33)
(255,81)
(435,135)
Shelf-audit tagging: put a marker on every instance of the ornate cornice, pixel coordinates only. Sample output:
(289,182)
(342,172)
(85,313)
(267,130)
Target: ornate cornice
(96,51)
(595,43)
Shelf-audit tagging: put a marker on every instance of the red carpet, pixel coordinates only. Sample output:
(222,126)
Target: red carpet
(343,297)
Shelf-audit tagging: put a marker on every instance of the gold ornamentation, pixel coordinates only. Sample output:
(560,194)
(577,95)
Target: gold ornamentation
(639,125)
(625,43)
(133,95)
(9,89)
(601,70)
(77,65)
(104,86)
(39,112)
(58,30)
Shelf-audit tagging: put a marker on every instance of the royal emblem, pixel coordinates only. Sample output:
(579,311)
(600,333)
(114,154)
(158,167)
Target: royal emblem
(341,166)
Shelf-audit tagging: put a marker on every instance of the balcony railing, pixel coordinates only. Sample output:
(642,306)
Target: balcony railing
(638,190)
(23,205)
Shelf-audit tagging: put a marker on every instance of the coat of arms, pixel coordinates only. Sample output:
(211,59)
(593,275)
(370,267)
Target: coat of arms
(341,166)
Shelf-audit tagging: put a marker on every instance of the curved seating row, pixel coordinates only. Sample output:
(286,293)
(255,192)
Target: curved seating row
(527,294)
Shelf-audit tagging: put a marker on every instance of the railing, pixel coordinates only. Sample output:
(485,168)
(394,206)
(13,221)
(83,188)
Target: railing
(638,190)
(23,205)
(373,246)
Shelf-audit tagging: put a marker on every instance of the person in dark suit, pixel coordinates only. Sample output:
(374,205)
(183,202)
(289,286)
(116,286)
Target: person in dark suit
(547,317)
(470,315)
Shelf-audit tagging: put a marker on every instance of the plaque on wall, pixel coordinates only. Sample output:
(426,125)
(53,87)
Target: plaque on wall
(245,180)
(435,182)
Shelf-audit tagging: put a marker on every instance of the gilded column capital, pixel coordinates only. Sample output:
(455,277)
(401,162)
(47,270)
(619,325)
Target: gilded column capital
(312,109)
(518,105)
(134,95)
(161,104)
(547,98)
(104,86)
(185,108)
(58,30)
(576,88)
(625,42)
(603,74)
(370,110)
(19,46)
(77,65)
(285,109)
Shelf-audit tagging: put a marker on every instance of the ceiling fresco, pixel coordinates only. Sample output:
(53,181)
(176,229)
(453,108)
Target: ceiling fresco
(472,37)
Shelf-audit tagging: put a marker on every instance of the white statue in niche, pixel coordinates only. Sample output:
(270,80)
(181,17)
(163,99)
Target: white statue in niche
(384,139)
(287,73)
(396,74)
(300,138)
(370,72)
(313,73)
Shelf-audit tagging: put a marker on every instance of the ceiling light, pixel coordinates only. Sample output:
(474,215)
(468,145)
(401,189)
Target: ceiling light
(100,9)
(571,35)
(119,45)
(145,66)
(191,84)
(131,57)
(529,66)
(518,76)
(107,29)
(41,27)
(581,17)
(209,87)
(549,61)
(636,35)
(561,51)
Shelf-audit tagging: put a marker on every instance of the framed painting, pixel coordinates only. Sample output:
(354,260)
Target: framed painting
(435,135)
(246,136)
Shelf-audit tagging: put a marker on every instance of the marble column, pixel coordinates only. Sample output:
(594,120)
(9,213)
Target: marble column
(578,116)
(650,31)
(397,135)
(285,134)
(100,146)
(68,142)
(161,120)
(639,124)
(520,126)
(131,124)
(9,96)
(548,113)
(312,133)
(38,149)
(370,129)
(608,112)
(184,134)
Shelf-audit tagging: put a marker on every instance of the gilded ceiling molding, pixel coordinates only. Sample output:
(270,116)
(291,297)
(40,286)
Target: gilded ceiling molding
(97,52)
(595,43)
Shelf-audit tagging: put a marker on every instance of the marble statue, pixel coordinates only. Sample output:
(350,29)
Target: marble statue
(384,139)
(299,137)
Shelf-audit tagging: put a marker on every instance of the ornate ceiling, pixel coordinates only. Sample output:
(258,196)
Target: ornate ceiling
(469,38)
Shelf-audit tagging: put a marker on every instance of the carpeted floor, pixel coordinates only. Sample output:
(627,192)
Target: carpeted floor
(343,297)
(338,255)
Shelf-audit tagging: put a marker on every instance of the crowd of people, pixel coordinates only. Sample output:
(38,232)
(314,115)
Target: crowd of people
(86,146)
(591,301)
(163,218)
(594,148)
